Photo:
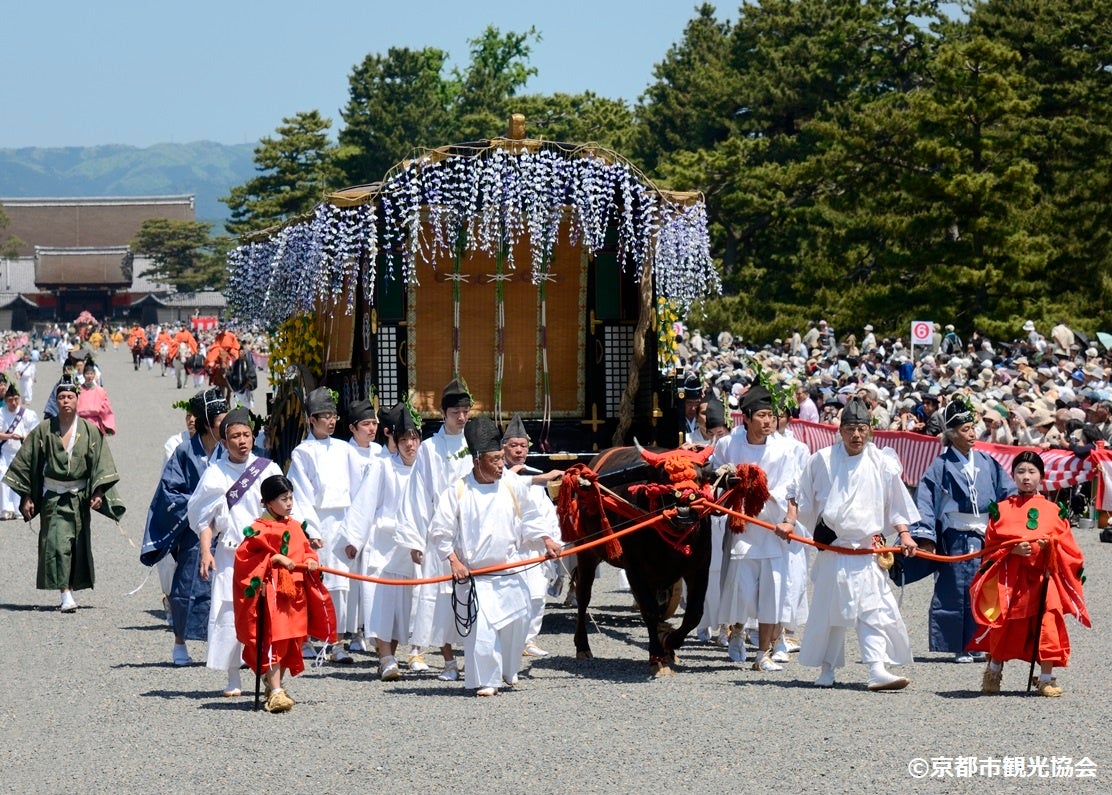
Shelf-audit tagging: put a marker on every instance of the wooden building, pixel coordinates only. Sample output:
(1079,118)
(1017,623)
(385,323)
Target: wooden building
(75,253)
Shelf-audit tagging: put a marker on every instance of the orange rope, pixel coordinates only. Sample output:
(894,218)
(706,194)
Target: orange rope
(866,550)
(572,550)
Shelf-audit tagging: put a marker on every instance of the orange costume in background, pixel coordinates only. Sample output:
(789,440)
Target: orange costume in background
(226,341)
(136,336)
(163,338)
(186,336)
(1007,589)
(297,603)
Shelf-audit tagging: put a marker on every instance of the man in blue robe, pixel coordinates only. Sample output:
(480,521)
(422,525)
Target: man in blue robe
(953,499)
(168,531)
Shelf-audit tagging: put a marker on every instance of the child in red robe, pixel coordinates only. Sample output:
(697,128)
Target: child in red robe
(295,602)
(1007,593)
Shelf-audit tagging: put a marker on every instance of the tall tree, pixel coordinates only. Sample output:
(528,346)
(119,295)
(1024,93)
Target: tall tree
(1064,50)
(498,69)
(576,118)
(691,104)
(296,170)
(398,103)
(182,253)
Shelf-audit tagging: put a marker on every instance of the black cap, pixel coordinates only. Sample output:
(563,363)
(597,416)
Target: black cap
(716,413)
(237,416)
(692,388)
(957,414)
(67,385)
(320,401)
(756,398)
(404,419)
(208,403)
(856,412)
(482,436)
(359,410)
(454,395)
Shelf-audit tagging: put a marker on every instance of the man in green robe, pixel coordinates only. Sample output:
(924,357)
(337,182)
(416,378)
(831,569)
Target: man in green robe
(62,472)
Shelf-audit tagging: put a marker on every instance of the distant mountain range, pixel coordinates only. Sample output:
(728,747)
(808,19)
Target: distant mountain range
(205,169)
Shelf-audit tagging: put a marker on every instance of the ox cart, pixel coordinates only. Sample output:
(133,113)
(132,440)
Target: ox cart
(544,274)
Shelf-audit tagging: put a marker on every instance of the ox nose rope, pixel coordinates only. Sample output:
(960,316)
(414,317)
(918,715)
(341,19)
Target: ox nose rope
(465,611)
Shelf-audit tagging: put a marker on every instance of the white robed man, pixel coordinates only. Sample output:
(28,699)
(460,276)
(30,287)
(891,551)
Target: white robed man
(325,473)
(515,449)
(443,459)
(26,370)
(363,425)
(851,494)
(16,421)
(369,537)
(226,501)
(756,576)
(487,519)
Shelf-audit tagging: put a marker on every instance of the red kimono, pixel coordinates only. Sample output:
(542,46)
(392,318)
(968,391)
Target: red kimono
(1007,589)
(297,603)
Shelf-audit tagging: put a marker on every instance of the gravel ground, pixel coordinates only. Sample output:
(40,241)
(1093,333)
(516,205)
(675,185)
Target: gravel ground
(93,703)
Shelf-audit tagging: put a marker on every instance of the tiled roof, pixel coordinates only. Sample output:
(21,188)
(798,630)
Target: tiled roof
(88,222)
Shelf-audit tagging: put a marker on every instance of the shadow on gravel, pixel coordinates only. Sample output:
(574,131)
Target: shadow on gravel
(796,684)
(442,689)
(159,664)
(622,670)
(241,704)
(27,608)
(160,627)
(172,694)
(966,694)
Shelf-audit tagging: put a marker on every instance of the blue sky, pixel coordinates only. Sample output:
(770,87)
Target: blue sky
(139,73)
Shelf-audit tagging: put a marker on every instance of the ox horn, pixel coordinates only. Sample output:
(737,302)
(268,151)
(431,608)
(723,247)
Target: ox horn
(704,455)
(651,458)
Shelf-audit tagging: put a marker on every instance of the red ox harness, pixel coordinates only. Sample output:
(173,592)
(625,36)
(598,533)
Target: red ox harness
(578,503)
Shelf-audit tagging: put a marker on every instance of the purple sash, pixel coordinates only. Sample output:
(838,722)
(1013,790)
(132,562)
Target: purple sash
(15,423)
(243,485)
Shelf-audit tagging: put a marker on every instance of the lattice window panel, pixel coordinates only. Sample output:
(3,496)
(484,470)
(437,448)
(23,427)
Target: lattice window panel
(386,345)
(618,342)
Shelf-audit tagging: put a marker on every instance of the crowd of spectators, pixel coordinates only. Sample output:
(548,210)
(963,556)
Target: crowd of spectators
(1048,392)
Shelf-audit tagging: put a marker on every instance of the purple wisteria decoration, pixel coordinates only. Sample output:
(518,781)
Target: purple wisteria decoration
(489,199)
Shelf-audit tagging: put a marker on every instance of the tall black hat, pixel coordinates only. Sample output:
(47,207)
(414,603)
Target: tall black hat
(856,412)
(320,401)
(716,413)
(482,436)
(515,429)
(404,419)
